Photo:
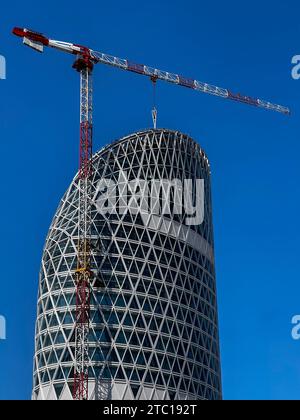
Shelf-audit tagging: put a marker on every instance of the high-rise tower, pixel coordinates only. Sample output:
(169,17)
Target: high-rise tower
(154,326)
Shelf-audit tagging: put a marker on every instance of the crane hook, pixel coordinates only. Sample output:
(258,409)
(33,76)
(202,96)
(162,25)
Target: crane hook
(154,117)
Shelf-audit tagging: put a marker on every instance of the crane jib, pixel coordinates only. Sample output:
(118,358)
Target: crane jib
(37,40)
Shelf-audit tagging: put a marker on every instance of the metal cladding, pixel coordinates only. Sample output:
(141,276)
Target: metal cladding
(153,333)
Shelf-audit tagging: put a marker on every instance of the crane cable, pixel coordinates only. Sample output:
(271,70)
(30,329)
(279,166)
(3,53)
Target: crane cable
(154,110)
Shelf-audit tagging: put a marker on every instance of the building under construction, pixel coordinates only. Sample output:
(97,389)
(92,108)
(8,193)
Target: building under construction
(153,330)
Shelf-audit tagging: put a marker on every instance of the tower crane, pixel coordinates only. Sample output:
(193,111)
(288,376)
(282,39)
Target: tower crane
(84,63)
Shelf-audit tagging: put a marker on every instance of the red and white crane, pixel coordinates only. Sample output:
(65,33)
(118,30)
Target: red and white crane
(85,60)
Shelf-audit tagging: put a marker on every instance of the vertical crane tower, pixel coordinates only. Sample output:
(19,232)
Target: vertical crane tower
(83,274)
(85,60)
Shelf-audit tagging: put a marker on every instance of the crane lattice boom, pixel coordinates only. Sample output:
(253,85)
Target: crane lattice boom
(38,40)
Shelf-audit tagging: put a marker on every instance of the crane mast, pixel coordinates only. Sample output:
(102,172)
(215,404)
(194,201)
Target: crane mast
(83,272)
(86,58)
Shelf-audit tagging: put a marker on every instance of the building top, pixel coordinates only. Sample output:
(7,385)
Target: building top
(151,130)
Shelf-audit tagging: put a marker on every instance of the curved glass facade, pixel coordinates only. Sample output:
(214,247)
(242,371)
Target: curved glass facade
(154,328)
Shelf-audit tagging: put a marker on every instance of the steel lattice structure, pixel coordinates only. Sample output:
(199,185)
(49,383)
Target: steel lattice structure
(83,271)
(154,329)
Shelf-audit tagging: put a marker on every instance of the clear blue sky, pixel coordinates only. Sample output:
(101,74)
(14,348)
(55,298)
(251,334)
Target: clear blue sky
(254,154)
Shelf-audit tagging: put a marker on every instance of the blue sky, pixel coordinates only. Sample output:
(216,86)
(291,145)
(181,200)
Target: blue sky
(254,155)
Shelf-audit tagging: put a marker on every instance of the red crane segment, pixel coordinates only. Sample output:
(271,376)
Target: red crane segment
(86,58)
